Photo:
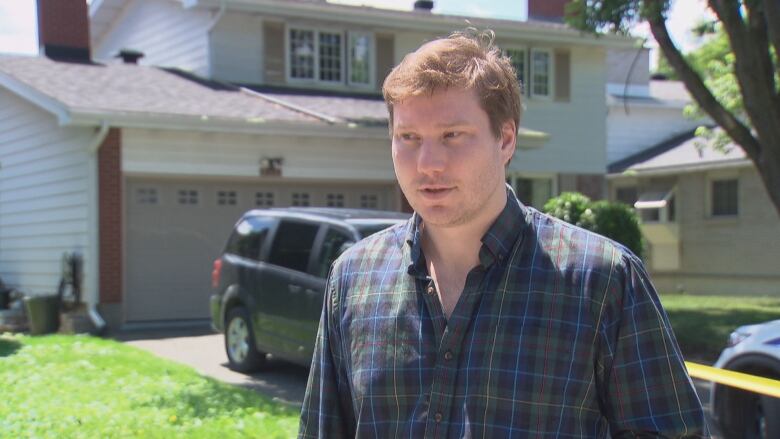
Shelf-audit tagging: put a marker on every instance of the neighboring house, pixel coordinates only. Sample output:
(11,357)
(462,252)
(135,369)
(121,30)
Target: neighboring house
(261,103)
(709,224)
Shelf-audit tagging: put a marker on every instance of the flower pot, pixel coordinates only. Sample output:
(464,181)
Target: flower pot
(43,314)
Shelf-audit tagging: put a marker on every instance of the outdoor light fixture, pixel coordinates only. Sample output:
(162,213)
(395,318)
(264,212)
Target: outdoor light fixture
(271,166)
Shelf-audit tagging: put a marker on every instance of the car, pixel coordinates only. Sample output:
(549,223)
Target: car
(752,349)
(269,280)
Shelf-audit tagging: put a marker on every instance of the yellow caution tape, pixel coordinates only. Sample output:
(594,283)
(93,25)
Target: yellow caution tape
(764,386)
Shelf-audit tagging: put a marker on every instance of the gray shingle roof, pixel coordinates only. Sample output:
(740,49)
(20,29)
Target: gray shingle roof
(141,90)
(683,151)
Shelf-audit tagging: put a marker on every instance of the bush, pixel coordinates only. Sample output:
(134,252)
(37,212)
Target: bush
(568,206)
(614,220)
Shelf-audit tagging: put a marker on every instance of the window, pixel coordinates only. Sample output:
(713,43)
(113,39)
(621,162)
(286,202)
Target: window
(301,54)
(541,73)
(360,58)
(264,199)
(335,200)
(292,245)
(300,199)
(369,201)
(725,197)
(226,198)
(627,195)
(335,242)
(248,238)
(656,206)
(146,195)
(188,196)
(330,57)
(534,191)
(517,58)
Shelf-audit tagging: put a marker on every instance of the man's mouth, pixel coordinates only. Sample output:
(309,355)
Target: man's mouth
(435,192)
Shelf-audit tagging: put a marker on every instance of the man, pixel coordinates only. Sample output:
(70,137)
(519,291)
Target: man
(481,317)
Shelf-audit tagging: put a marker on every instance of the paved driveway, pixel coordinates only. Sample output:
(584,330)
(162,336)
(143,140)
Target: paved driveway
(284,382)
(205,352)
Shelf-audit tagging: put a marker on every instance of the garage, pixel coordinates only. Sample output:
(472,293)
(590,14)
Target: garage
(175,228)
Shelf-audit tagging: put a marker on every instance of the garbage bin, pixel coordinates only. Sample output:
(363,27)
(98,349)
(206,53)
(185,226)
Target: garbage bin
(43,314)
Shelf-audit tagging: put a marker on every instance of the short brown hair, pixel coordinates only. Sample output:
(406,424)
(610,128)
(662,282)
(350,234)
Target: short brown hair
(466,59)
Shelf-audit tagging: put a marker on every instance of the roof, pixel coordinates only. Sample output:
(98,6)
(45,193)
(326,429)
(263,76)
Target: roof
(683,152)
(659,93)
(129,89)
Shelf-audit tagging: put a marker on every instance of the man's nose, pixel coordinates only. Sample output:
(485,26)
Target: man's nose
(432,157)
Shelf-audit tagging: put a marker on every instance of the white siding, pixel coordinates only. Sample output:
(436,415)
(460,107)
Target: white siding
(577,129)
(238,155)
(236,47)
(642,128)
(44,197)
(167,34)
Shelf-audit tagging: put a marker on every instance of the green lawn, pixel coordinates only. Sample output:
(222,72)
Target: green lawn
(703,323)
(78,386)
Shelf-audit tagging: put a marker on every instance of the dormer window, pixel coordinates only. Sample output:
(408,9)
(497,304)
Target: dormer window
(330,57)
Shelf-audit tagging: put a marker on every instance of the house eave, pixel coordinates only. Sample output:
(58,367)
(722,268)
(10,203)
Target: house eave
(680,169)
(35,97)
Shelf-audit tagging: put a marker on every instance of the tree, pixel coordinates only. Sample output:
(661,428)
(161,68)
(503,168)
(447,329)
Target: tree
(752,74)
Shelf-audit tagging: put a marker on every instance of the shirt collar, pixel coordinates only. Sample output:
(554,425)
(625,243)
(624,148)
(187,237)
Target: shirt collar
(497,242)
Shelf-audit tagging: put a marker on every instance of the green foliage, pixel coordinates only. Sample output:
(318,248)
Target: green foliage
(702,323)
(616,16)
(616,221)
(78,386)
(611,219)
(568,206)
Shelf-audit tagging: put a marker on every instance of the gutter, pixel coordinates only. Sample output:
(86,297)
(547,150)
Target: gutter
(215,20)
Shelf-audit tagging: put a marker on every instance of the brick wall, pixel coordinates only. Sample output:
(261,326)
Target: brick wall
(551,10)
(110,217)
(63,29)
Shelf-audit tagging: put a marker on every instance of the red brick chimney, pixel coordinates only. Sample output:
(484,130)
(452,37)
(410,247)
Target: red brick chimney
(63,30)
(546,10)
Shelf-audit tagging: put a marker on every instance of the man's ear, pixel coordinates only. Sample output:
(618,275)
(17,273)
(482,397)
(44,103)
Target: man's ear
(508,140)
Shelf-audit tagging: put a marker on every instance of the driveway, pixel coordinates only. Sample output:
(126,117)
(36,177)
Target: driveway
(284,382)
(204,351)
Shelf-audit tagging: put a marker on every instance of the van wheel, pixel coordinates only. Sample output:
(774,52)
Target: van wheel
(240,345)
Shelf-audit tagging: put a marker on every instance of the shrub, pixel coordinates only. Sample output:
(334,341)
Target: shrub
(614,220)
(568,206)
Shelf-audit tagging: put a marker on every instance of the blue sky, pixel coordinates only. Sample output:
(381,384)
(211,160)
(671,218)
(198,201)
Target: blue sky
(18,20)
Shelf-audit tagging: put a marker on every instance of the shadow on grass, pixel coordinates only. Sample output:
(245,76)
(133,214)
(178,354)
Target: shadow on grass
(8,347)
(702,333)
(215,398)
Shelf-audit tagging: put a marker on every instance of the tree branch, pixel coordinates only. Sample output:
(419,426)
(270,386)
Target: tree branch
(693,82)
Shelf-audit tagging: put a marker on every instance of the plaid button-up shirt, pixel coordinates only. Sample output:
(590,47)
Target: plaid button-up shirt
(557,333)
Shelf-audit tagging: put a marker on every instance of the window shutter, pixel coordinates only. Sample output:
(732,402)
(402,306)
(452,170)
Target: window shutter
(385,57)
(273,39)
(562,75)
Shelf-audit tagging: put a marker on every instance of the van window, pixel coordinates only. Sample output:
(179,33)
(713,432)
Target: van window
(248,237)
(292,245)
(332,246)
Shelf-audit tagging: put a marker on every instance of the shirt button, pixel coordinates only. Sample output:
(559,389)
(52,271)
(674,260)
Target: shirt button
(437,417)
(448,355)
(431,290)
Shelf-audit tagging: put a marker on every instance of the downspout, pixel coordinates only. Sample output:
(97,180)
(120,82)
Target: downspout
(209,28)
(94,145)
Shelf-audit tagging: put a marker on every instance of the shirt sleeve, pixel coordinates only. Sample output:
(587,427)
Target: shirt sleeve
(326,410)
(644,385)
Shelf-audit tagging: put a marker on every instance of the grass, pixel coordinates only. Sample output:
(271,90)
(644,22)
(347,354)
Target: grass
(84,387)
(703,323)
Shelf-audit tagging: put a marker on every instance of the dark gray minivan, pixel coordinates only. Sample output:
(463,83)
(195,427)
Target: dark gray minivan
(270,279)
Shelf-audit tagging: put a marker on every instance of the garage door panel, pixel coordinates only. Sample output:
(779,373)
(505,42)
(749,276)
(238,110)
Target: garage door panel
(175,230)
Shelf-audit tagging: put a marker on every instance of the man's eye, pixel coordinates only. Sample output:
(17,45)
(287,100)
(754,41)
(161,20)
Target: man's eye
(408,137)
(452,134)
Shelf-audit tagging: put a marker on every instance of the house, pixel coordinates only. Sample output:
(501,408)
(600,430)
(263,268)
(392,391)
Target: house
(708,221)
(146,127)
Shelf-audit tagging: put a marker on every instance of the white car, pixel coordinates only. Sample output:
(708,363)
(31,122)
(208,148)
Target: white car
(752,349)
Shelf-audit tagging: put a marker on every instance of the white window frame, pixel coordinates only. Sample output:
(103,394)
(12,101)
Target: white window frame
(316,79)
(550,74)
(526,69)
(708,194)
(371,59)
(662,205)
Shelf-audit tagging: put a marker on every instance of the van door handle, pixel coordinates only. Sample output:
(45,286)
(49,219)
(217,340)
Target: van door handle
(295,288)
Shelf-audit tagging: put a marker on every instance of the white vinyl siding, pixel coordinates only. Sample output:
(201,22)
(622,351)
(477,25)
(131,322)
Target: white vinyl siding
(236,46)
(44,197)
(637,128)
(166,33)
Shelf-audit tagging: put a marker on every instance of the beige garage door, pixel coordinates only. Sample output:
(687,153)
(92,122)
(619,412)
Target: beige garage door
(175,230)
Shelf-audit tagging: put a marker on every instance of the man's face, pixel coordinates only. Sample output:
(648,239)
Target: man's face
(447,160)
